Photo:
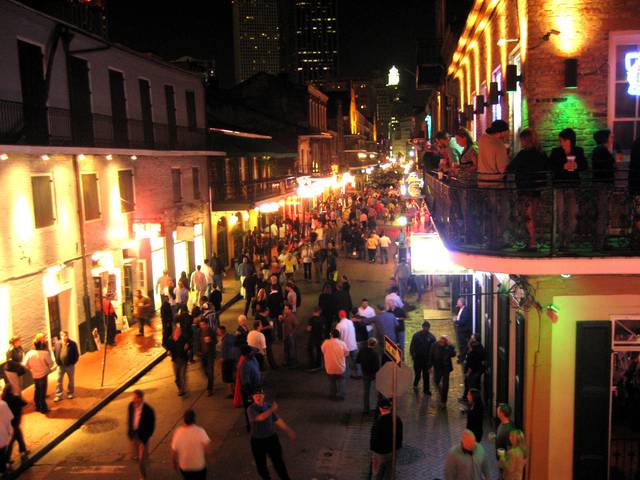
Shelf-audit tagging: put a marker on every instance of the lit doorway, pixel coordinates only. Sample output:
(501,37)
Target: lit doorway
(158,264)
(180,256)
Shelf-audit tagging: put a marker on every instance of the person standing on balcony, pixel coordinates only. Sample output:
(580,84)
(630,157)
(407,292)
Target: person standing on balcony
(493,157)
(466,175)
(604,171)
(529,167)
(567,161)
(449,148)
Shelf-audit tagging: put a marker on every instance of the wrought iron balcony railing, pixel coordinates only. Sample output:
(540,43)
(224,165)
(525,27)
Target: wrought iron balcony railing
(252,191)
(21,124)
(535,217)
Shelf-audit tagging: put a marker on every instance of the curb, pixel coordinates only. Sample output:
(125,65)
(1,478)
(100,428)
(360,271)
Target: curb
(24,466)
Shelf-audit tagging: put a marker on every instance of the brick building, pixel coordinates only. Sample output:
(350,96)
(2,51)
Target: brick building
(104,168)
(550,43)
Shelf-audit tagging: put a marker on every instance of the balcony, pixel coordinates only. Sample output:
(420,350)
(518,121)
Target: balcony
(59,127)
(244,195)
(486,228)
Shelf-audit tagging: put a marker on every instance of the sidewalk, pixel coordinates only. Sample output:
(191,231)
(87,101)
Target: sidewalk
(131,356)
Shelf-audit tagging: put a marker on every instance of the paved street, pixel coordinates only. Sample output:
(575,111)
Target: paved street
(333,437)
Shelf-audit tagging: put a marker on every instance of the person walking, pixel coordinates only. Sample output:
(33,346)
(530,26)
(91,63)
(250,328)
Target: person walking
(65,352)
(306,255)
(230,353)
(141,421)
(420,351)
(179,351)
(467,460)
(162,285)
(198,283)
(369,362)
(258,341)
(190,445)
(13,368)
(16,404)
(217,265)
(385,243)
(402,274)
(348,336)
(264,422)
(6,419)
(440,360)
(505,428)
(110,316)
(463,326)
(249,378)
(315,327)
(289,324)
(39,362)
(381,442)
(166,315)
(208,340)
(215,297)
(142,310)
(335,352)
(250,285)
(475,413)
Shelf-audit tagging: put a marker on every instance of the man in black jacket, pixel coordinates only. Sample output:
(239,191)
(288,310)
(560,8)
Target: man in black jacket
(66,354)
(420,350)
(250,283)
(370,362)
(141,424)
(381,444)
(440,360)
(463,325)
(216,297)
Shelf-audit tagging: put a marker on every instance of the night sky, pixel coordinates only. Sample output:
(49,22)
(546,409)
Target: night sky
(373,33)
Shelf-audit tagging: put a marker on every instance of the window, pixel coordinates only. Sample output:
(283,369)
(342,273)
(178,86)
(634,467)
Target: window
(515,106)
(496,109)
(127,197)
(195,176)
(192,122)
(176,182)
(90,196)
(624,88)
(43,200)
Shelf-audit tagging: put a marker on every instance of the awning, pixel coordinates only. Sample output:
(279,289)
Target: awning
(238,144)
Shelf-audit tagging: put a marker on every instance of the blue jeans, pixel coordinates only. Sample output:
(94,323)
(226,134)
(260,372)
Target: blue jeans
(69,370)
(217,278)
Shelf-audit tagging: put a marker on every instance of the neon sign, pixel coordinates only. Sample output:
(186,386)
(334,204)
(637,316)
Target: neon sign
(632,65)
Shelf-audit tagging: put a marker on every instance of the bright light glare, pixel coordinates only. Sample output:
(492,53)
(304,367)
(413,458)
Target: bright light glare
(402,221)
(429,256)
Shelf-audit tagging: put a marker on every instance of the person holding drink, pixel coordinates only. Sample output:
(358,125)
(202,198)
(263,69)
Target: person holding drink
(567,161)
(512,461)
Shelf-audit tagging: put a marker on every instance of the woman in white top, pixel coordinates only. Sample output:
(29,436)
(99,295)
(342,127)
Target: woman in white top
(39,362)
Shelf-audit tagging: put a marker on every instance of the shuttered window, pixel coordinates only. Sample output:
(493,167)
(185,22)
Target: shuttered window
(43,200)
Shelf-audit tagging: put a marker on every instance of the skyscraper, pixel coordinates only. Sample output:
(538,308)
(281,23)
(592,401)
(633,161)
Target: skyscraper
(256,38)
(316,39)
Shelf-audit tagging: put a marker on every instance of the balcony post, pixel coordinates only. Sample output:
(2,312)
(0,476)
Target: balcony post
(554,219)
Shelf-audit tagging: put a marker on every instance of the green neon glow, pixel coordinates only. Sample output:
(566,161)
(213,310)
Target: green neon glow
(574,113)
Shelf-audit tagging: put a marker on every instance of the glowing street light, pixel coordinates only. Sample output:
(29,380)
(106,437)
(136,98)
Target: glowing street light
(402,221)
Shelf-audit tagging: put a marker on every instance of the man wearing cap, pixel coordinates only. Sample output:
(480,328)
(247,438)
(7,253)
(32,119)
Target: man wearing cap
(493,158)
(264,421)
(440,360)
(381,443)
(420,349)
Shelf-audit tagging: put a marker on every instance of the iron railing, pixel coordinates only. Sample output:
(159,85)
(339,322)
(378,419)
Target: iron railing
(20,124)
(625,459)
(591,218)
(252,191)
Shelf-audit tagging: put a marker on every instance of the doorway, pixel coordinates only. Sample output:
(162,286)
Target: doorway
(55,319)
(222,242)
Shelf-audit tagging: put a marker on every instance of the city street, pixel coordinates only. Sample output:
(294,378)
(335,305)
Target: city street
(333,437)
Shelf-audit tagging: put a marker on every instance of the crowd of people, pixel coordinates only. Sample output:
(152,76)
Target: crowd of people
(482,169)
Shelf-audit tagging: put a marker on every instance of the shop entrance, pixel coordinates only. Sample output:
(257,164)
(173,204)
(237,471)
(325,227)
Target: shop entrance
(158,264)
(58,311)
(222,243)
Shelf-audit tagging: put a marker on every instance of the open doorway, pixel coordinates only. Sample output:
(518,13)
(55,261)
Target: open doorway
(624,457)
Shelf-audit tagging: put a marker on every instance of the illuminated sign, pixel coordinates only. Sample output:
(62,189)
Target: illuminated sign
(394,77)
(632,64)
(147,230)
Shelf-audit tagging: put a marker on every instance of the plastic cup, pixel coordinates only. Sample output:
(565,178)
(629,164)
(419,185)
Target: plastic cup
(501,452)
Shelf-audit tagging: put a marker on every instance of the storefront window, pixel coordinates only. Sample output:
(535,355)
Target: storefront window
(624,89)
(180,256)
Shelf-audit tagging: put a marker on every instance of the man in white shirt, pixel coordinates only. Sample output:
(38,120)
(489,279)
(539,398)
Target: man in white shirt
(189,447)
(5,434)
(162,284)
(394,298)
(365,310)
(348,336)
(385,243)
(199,283)
(257,340)
(208,273)
(335,352)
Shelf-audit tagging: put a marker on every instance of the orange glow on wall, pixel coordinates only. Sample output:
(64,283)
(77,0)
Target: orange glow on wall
(524,29)
(502,25)
(353,113)
(488,41)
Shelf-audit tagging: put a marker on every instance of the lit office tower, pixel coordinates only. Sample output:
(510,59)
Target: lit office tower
(256,37)
(316,32)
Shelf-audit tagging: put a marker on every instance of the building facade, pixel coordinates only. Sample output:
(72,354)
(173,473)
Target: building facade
(106,153)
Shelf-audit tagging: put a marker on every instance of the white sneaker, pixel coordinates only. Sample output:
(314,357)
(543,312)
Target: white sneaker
(57,399)
(70,396)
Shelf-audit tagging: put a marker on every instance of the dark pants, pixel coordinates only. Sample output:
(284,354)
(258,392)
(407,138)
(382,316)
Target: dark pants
(463,343)
(290,350)
(4,457)
(208,362)
(472,380)
(247,400)
(111,329)
(270,359)
(421,369)
(307,270)
(315,354)
(366,394)
(16,437)
(261,447)
(372,254)
(441,379)
(141,323)
(180,372)
(194,475)
(247,305)
(40,394)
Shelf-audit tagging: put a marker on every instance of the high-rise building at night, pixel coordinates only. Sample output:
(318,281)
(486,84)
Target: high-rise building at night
(256,37)
(316,39)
